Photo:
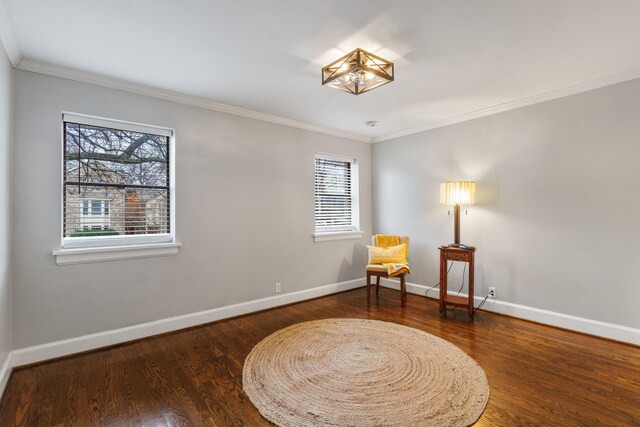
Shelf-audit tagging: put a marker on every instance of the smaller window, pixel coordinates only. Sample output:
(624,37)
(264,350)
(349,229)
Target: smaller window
(336,194)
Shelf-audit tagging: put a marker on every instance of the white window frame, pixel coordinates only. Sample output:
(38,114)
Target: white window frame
(76,250)
(353,232)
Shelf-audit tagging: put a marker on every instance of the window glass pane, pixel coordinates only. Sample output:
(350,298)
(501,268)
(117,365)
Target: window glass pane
(115,156)
(95,207)
(121,211)
(72,149)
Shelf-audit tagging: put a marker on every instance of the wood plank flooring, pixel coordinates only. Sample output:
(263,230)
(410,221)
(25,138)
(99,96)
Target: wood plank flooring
(538,375)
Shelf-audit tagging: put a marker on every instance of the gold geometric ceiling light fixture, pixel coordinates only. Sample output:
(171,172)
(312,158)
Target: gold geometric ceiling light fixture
(358,72)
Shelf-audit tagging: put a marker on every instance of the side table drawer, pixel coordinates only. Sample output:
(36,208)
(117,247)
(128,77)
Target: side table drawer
(456,256)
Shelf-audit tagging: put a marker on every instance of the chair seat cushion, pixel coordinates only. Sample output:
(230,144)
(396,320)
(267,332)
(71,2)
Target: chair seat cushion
(376,267)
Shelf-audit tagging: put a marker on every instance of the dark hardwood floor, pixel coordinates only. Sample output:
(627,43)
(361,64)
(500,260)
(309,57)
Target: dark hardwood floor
(538,375)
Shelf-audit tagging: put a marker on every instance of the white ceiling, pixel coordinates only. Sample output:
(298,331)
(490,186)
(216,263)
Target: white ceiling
(452,57)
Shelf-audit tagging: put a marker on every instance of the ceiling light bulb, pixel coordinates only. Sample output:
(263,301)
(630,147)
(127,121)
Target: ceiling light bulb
(358,77)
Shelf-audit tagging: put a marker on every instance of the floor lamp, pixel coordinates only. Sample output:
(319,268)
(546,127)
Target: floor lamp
(457,193)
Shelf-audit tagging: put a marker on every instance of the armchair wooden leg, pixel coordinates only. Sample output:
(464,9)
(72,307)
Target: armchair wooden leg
(377,285)
(403,291)
(368,287)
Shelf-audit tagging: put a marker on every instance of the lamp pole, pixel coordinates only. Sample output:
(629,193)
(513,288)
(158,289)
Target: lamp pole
(456,225)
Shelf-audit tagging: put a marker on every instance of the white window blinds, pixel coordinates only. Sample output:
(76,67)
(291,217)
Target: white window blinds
(335,194)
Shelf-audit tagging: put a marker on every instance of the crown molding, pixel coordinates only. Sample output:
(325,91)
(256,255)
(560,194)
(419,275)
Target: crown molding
(512,105)
(113,83)
(7,38)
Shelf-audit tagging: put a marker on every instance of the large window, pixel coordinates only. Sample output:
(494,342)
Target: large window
(336,195)
(117,183)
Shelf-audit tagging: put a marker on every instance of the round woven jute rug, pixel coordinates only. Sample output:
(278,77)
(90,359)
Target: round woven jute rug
(355,372)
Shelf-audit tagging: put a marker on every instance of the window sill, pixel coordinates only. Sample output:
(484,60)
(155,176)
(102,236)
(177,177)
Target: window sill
(114,253)
(337,235)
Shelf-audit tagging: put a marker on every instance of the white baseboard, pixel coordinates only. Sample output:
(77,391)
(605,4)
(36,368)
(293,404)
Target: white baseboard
(5,372)
(579,324)
(52,350)
(70,346)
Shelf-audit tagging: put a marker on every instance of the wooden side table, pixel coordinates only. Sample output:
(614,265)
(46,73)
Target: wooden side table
(448,253)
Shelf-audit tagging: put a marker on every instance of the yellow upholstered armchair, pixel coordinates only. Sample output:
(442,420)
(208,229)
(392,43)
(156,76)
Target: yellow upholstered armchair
(388,258)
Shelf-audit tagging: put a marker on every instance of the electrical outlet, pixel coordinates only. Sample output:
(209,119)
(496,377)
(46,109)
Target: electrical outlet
(278,288)
(492,292)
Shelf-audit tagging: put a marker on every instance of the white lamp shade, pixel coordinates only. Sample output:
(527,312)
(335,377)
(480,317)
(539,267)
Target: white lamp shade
(457,192)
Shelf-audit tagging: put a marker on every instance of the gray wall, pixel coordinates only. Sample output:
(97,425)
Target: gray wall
(6,85)
(244,216)
(558,198)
